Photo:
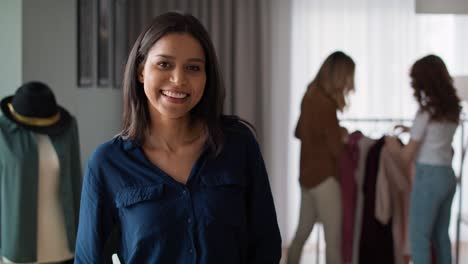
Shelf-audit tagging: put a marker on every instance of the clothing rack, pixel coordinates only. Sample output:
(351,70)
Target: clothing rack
(463,147)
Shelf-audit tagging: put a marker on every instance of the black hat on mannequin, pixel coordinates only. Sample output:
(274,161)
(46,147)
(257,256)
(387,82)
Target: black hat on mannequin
(33,107)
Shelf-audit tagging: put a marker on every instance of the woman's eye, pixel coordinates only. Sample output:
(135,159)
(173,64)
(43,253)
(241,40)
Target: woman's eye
(193,68)
(163,65)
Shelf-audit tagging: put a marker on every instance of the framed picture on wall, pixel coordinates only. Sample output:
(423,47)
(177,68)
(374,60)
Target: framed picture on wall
(105,34)
(86,32)
(102,42)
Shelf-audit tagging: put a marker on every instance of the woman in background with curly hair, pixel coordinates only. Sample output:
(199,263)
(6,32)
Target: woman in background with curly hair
(430,147)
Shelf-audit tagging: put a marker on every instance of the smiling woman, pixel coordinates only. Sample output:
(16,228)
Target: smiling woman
(183,182)
(174,75)
(174,79)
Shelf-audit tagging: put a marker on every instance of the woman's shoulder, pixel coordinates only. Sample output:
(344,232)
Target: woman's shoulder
(316,98)
(422,114)
(236,126)
(239,135)
(109,149)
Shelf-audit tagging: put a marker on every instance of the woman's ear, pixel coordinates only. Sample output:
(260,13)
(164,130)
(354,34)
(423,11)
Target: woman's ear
(141,76)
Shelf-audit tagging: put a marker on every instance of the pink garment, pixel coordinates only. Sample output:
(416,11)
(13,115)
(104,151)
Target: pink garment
(392,201)
(348,165)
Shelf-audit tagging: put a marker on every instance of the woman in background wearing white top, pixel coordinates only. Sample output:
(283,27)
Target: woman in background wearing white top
(430,147)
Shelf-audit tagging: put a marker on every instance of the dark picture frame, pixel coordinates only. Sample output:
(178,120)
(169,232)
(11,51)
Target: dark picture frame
(102,42)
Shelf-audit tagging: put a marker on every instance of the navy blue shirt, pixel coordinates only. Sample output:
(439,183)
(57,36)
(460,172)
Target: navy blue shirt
(223,214)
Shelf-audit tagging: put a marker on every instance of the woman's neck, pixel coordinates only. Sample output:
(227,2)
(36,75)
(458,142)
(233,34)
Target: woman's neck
(171,134)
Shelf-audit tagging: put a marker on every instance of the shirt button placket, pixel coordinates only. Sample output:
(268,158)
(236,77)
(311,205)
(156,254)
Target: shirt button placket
(186,193)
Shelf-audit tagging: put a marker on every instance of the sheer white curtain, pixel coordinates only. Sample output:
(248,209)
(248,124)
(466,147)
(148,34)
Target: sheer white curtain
(384,38)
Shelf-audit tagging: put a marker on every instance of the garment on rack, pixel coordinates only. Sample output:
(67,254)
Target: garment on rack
(348,164)
(376,242)
(392,201)
(364,146)
(20,213)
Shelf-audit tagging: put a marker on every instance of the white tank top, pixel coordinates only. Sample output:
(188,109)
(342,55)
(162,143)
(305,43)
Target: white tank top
(435,137)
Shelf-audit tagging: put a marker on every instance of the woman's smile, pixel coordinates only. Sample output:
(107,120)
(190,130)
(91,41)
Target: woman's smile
(174,97)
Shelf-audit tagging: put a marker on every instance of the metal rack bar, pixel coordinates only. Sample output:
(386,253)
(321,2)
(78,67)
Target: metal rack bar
(369,120)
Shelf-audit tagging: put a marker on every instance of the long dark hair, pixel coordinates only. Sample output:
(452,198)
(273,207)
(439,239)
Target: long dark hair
(433,89)
(209,110)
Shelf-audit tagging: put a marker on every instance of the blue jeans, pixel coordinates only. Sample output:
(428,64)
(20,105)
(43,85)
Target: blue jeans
(431,201)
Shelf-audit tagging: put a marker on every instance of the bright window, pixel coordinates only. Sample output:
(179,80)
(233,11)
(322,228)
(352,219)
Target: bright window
(384,38)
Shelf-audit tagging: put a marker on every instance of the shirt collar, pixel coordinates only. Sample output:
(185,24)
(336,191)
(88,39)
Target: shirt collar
(10,125)
(128,144)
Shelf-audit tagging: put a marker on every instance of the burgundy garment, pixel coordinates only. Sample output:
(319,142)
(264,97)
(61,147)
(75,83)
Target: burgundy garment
(348,164)
(376,244)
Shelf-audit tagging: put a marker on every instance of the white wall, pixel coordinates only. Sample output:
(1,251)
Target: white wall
(10,46)
(50,55)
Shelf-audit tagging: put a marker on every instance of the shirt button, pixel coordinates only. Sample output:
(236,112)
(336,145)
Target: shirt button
(184,192)
(191,251)
(189,220)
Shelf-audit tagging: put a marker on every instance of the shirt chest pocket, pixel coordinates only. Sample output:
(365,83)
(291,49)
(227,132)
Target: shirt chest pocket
(224,200)
(144,210)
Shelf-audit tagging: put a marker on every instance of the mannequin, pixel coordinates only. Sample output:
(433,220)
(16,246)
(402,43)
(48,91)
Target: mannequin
(40,178)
